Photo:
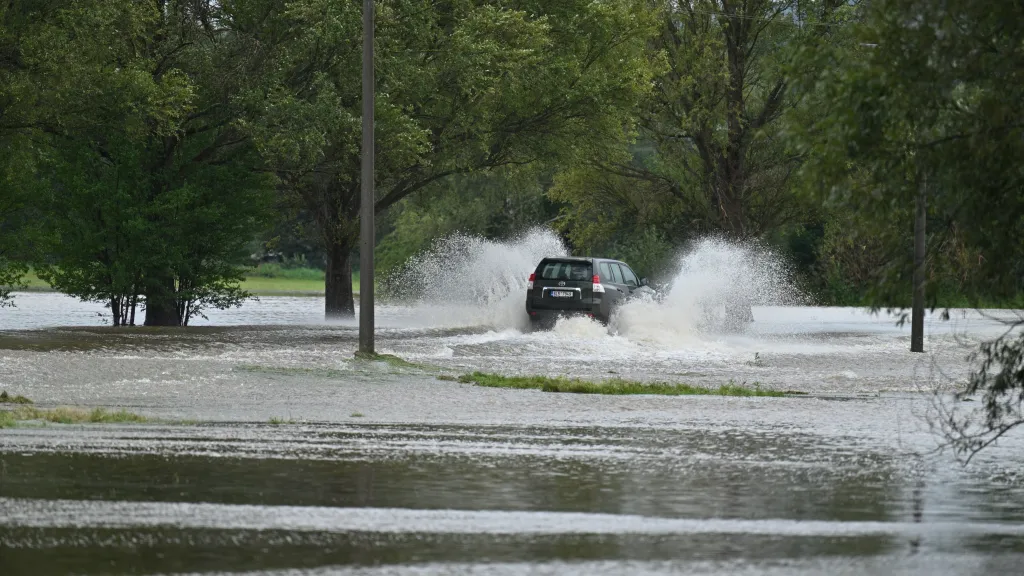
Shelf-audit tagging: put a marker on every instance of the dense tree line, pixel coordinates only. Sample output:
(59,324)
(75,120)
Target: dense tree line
(146,143)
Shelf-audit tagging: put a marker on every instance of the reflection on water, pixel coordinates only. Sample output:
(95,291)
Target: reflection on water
(168,551)
(603,471)
(311,496)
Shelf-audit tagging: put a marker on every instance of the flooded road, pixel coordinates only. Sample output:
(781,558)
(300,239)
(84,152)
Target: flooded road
(379,469)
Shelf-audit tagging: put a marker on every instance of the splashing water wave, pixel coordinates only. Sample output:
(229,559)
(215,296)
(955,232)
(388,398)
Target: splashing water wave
(465,280)
(715,285)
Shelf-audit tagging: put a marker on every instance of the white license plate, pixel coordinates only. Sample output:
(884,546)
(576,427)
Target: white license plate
(561,294)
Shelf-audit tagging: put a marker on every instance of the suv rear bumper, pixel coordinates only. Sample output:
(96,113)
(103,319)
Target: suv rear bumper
(548,317)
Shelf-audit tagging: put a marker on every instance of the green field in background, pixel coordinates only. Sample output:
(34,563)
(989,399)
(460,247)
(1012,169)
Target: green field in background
(305,282)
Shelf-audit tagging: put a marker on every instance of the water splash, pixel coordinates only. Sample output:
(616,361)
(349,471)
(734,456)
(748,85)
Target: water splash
(715,285)
(466,280)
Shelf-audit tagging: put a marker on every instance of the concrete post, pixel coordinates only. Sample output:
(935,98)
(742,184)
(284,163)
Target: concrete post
(917,318)
(366,224)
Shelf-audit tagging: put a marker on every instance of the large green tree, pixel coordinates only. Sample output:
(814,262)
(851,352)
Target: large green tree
(463,86)
(51,74)
(18,223)
(932,102)
(31,44)
(149,188)
(710,159)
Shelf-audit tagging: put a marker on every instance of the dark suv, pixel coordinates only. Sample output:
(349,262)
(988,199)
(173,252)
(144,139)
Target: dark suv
(578,286)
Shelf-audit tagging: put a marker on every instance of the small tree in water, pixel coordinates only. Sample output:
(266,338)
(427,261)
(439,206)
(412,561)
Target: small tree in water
(150,190)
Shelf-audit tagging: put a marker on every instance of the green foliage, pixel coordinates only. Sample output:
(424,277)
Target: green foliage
(930,100)
(500,204)
(709,159)
(604,211)
(146,187)
(274,270)
(11,278)
(141,149)
(647,252)
(462,87)
(20,228)
(62,415)
(292,237)
(6,398)
(614,386)
(932,105)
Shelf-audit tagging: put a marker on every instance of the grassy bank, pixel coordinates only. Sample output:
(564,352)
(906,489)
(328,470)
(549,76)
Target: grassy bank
(265,280)
(262,286)
(9,418)
(35,283)
(273,279)
(615,386)
(6,398)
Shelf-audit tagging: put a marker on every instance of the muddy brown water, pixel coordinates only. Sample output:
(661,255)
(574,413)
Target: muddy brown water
(384,470)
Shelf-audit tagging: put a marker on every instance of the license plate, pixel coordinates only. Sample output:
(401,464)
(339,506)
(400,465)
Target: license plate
(561,294)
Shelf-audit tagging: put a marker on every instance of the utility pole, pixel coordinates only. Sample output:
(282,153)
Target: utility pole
(366,231)
(917,318)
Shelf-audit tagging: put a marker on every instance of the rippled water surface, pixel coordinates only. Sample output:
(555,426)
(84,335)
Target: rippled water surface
(371,468)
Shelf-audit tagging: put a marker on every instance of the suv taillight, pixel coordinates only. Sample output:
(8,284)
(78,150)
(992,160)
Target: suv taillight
(598,288)
(529,284)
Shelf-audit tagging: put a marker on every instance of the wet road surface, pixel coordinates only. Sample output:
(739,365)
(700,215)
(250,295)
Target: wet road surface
(383,469)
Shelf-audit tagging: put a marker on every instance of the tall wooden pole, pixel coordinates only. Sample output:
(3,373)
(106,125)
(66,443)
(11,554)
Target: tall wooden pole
(366,231)
(917,318)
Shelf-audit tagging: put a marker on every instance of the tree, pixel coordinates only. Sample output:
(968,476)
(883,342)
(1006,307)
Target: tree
(934,95)
(19,228)
(711,159)
(26,99)
(151,190)
(463,86)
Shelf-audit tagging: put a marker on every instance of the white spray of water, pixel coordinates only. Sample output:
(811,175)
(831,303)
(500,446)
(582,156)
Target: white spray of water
(716,284)
(467,280)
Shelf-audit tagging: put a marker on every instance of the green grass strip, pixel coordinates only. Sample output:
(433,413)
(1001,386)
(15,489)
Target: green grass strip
(9,418)
(259,282)
(614,386)
(6,398)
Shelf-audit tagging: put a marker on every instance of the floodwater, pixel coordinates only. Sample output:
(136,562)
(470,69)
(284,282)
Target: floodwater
(380,469)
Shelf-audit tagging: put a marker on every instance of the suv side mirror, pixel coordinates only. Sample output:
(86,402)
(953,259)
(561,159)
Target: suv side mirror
(643,281)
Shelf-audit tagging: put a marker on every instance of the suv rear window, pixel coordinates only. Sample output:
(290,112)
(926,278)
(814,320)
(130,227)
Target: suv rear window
(580,271)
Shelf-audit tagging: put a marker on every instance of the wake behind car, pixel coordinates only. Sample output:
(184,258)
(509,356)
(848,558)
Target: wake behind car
(591,287)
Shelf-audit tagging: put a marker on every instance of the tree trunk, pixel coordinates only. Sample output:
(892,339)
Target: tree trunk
(115,310)
(339,301)
(161,310)
(733,170)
